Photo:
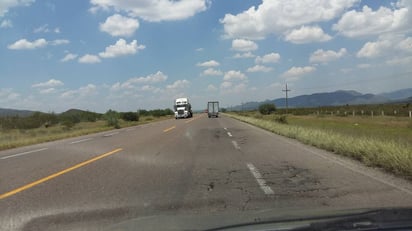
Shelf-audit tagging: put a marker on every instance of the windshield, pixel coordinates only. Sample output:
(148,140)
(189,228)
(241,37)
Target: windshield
(291,107)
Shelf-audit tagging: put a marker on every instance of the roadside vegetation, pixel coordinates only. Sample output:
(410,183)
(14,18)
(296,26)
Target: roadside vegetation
(380,141)
(41,127)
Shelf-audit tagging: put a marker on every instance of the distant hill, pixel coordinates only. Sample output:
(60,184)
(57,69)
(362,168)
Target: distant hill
(332,99)
(13,112)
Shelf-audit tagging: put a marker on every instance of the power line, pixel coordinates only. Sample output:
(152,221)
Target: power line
(286,91)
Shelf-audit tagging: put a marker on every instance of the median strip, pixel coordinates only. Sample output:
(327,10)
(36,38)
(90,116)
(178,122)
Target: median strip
(42,180)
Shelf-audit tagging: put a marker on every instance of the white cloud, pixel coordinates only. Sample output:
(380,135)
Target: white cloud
(45,29)
(88,58)
(400,61)
(210,63)
(277,17)
(7,95)
(82,92)
(322,56)
(295,72)
(211,88)
(6,24)
(307,34)
(160,10)
(118,25)
(259,68)
(24,44)
(69,57)
(244,55)
(178,84)
(233,75)
(212,72)
(59,42)
(268,58)
(121,48)
(49,84)
(47,90)
(386,45)
(369,22)
(6,5)
(200,49)
(244,45)
(226,84)
(134,82)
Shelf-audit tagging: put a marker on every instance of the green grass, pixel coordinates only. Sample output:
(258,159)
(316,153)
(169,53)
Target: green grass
(380,142)
(17,138)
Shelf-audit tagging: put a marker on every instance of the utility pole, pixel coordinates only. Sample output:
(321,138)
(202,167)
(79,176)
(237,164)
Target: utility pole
(286,99)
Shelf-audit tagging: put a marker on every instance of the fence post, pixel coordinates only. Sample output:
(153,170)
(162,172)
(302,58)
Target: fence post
(353,113)
(383,113)
(410,114)
(372,113)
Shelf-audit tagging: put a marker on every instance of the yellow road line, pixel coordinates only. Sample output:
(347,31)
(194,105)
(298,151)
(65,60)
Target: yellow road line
(168,129)
(42,180)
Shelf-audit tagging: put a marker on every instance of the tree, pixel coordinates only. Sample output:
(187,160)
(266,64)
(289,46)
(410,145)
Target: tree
(267,108)
(112,118)
(130,116)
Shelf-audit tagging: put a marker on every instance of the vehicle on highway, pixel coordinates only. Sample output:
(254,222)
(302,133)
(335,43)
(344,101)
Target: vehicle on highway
(213,109)
(182,108)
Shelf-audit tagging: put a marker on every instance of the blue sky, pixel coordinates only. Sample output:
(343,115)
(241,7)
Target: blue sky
(127,55)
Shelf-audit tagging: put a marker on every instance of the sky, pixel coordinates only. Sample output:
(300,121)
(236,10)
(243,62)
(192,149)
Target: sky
(128,55)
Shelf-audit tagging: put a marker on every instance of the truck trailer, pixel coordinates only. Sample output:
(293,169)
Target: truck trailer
(182,108)
(213,109)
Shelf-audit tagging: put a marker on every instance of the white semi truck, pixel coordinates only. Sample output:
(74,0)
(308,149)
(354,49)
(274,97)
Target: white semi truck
(183,109)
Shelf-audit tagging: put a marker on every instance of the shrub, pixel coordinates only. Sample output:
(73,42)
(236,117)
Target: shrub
(281,119)
(112,118)
(130,116)
(267,108)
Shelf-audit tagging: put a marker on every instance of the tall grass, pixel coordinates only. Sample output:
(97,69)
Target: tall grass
(389,154)
(21,137)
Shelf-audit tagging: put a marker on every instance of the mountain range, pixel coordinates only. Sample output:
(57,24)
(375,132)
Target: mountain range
(341,97)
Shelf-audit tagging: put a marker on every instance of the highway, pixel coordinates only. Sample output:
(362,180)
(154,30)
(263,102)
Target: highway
(191,166)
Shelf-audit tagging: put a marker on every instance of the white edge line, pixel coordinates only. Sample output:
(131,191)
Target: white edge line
(79,141)
(23,153)
(335,160)
(262,183)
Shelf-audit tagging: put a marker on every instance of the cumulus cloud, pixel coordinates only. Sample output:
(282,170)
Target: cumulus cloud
(6,24)
(259,68)
(155,11)
(133,83)
(69,57)
(307,34)
(210,63)
(268,58)
(322,56)
(178,84)
(277,17)
(244,55)
(369,22)
(211,88)
(24,44)
(82,92)
(45,29)
(88,58)
(7,95)
(118,25)
(212,72)
(295,72)
(233,75)
(48,84)
(386,45)
(121,48)
(244,45)
(6,5)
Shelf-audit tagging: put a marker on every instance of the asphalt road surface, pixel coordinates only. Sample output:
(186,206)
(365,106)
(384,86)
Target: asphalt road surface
(190,167)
